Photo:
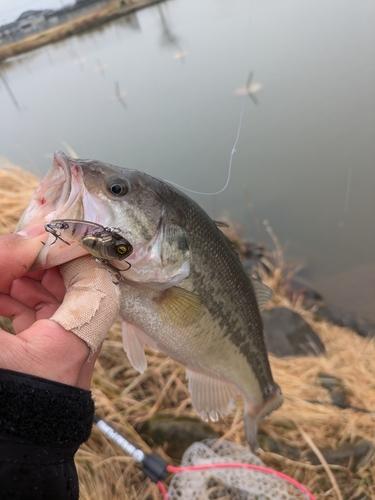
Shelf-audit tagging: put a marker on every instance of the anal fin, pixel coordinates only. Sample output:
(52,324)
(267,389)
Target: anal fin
(210,396)
(133,340)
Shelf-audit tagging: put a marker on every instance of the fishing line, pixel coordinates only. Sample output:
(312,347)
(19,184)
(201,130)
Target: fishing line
(230,161)
(348,190)
(238,132)
(342,223)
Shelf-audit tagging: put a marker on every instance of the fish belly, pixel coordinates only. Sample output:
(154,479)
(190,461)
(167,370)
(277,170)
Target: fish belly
(216,370)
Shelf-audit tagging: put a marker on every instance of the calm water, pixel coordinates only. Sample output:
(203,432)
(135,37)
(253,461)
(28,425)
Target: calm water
(305,157)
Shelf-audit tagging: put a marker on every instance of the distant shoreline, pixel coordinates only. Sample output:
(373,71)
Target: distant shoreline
(78,25)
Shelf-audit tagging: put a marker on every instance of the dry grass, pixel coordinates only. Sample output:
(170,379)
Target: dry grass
(16,187)
(128,399)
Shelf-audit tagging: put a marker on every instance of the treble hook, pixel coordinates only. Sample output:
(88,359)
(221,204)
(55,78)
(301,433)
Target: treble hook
(54,233)
(117,271)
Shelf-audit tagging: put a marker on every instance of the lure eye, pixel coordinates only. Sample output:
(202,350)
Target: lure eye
(122,249)
(118,187)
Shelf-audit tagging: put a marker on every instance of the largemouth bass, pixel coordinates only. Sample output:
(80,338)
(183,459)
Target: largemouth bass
(185,293)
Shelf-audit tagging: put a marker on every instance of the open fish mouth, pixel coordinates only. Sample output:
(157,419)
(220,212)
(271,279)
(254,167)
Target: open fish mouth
(58,196)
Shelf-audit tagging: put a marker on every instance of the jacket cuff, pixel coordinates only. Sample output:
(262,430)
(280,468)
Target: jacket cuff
(41,411)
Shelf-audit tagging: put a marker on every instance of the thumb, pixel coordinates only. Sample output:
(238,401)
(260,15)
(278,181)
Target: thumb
(18,254)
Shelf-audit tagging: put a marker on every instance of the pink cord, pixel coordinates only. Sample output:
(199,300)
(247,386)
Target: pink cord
(265,470)
(163,490)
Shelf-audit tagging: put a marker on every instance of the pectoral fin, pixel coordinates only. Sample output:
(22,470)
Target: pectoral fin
(134,340)
(179,306)
(210,396)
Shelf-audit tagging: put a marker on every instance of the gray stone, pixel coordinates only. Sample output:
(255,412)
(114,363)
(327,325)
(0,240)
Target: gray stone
(351,455)
(288,334)
(336,388)
(176,434)
(337,316)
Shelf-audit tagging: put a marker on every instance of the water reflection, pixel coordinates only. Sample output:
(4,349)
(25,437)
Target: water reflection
(169,38)
(101,67)
(119,95)
(250,88)
(304,154)
(9,90)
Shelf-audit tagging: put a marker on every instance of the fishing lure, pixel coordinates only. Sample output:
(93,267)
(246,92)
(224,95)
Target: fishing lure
(103,243)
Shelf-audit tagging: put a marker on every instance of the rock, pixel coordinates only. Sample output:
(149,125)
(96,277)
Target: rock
(339,317)
(300,286)
(273,445)
(336,388)
(288,334)
(338,398)
(176,434)
(313,300)
(351,455)
(329,381)
(251,254)
(252,250)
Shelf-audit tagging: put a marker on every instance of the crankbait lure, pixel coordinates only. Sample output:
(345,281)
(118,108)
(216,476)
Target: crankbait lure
(103,243)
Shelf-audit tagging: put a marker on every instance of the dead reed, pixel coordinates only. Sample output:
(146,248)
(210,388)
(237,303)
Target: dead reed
(128,399)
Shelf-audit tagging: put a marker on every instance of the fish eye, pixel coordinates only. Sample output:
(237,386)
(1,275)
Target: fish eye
(118,187)
(122,249)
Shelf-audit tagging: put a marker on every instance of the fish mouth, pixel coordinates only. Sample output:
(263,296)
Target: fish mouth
(58,196)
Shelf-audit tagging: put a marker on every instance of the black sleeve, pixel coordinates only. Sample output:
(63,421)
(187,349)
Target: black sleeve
(42,424)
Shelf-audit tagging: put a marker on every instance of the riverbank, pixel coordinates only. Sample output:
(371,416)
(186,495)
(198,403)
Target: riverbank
(310,418)
(113,10)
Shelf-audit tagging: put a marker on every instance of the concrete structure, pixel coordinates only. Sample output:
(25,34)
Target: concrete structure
(33,21)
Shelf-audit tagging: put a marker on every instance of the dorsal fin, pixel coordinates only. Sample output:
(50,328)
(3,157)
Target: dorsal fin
(220,224)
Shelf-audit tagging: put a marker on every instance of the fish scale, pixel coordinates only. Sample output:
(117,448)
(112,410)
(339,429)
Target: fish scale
(233,303)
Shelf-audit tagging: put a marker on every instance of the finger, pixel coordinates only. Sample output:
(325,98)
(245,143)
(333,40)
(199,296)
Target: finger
(27,301)
(11,352)
(85,375)
(51,279)
(32,293)
(54,352)
(22,316)
(18,253)
(45,350)
(54,283)
(36,275)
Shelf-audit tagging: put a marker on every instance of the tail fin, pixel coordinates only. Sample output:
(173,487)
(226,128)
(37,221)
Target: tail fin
(252,418)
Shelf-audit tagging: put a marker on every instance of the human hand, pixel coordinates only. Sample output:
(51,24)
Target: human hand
(41,347)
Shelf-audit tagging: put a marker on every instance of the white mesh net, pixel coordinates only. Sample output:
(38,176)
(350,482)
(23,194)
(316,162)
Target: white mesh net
(228,483)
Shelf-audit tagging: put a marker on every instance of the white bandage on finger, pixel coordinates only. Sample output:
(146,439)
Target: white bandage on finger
(91,303)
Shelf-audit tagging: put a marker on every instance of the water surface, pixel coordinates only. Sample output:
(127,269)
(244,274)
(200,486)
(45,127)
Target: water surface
(305,154)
